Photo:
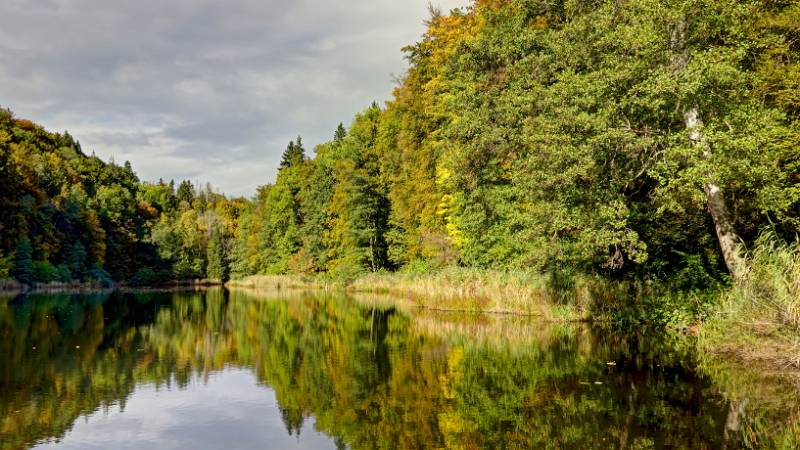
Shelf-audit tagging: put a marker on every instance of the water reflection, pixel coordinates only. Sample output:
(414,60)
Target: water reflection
(236,370)
(182,419)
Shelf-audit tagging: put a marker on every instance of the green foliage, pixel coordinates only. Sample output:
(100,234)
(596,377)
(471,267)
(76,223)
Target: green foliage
(525,134)
(553,138)
(294,154)
(185,194)
(217,263)
(44,272)
(149,277)
(100,276)
(75,259)
(6,266)
(23,262)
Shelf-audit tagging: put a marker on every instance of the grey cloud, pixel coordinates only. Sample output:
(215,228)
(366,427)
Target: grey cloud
(201,89)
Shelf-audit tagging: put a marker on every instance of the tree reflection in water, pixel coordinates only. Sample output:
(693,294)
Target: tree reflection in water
(372,376)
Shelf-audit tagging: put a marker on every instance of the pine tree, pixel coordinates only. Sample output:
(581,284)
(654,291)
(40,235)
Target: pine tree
(294,154)
(172,200)
(23,262)
(217,268)
(340,133)
(185,192)
(75,258)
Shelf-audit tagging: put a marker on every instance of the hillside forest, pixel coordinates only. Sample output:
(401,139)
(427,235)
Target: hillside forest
(649,140)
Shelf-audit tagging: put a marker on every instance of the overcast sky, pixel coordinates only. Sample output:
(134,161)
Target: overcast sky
(206,90)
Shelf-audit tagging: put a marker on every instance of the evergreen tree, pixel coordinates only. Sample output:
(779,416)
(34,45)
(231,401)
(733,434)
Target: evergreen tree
(340,133)
(23,262)
(185,192)
(294,154)
(5,266)
(217,268)
(75,258)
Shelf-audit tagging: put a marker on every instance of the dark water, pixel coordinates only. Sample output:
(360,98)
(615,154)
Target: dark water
(232,370)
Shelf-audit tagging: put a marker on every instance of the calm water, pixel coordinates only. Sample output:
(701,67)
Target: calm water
(234,370)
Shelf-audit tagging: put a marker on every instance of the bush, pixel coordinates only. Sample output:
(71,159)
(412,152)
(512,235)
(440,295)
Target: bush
(347,270)
(419,267)
(23,262)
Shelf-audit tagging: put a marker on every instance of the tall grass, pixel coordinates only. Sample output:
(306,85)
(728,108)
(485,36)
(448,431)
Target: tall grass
(283,282)
(759,318)
(464,289)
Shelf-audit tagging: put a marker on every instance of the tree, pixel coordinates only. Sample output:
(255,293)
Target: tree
(185,193)
(5,266)
(75,258)
(217,268)
(293,155)
(23,262)
(340,133)
(359,208)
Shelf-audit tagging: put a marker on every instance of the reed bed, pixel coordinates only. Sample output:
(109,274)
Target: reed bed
(472,290)
(273,282)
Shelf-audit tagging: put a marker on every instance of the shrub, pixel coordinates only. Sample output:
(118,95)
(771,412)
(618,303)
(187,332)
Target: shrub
(759,318)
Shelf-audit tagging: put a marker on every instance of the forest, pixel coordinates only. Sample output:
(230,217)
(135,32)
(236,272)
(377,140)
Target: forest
(646,140)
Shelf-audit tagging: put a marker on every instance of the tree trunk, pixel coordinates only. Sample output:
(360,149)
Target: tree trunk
(729,242)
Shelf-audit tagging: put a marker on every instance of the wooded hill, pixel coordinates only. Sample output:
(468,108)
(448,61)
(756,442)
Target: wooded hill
(636,139)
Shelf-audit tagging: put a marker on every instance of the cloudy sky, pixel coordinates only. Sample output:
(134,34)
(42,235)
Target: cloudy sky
(206,90)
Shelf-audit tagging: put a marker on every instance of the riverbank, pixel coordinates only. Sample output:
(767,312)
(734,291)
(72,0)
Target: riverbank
(756,321)
(11,287)
(451,289)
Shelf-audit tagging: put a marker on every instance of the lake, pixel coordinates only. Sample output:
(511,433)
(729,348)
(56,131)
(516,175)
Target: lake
(244,370)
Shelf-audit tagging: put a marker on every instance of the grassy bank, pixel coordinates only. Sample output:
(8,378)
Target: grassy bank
(473,290)
(450,289)
(758,320)
(577,298)
(277,282)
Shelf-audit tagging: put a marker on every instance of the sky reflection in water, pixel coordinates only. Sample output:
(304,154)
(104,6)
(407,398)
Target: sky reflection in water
(236,370)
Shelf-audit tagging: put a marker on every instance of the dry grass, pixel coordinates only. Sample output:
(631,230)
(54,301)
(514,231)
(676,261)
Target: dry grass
(273,282)
(458,289)
(452,289)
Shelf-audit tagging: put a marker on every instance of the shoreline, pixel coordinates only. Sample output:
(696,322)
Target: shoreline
(10,287)
(588,300)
